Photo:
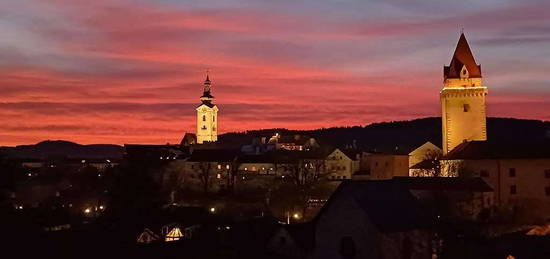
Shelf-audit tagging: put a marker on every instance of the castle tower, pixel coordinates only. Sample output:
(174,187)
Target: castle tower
(207,116)
(462,99)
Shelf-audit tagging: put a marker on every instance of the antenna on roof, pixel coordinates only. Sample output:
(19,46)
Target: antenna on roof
(461,30)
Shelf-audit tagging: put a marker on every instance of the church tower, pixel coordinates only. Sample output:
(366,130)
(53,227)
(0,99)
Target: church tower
(207,116)
(462,99)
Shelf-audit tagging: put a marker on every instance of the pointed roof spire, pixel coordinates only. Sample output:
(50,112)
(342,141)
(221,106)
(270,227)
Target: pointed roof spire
(462,57)
(206,95)
(207,76)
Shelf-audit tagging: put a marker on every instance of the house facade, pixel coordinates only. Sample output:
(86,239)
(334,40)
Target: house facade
(342,164)
(518,173)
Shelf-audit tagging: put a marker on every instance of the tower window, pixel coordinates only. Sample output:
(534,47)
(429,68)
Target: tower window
(213,118)
(203,127)
(203,117)
(466,107)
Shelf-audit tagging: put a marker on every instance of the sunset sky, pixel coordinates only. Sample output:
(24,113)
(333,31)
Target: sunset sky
(121,71)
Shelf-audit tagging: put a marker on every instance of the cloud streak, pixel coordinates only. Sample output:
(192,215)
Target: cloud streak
(130,71)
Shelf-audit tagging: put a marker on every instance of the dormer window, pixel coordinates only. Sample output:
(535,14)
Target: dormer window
(464,73)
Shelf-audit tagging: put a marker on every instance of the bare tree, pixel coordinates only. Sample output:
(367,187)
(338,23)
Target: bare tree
(431,164)
(205,176)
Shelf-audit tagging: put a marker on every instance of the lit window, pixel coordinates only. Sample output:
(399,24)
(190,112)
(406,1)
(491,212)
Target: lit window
(218,176)
(226,166)
(466,107)
(219,166)
(253,168)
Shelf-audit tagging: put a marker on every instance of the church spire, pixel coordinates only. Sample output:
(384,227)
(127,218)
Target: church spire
(462,58)
(206,95)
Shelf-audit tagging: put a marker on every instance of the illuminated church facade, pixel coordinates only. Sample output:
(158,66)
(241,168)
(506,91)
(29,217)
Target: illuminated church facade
(207,116)
(462,99)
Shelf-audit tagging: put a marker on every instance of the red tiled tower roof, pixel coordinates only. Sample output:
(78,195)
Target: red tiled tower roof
(462,57)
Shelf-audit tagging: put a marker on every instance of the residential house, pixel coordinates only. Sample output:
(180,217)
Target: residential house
(210,170)
(342,164)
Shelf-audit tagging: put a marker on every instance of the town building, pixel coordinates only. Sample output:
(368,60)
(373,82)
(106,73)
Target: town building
(207,116)
(209,170)
(378,165)
(293,142)
(341,164)
(462,99)
(519,173)
(462,198)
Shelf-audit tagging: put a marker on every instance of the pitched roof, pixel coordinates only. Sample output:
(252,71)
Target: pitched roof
(213,155)
(444,183)
(389,206)
(474,150)
(351,153)
(303,234)
(462,57)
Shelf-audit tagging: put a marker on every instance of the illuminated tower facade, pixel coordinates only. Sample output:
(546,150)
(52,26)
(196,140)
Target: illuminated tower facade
(207,116)
(462,99)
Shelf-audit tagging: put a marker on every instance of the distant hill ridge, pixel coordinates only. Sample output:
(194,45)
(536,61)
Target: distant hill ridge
(62,148)
(384,137)
(405,135)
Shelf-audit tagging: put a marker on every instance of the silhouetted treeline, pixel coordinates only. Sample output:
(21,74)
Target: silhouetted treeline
(403,135)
